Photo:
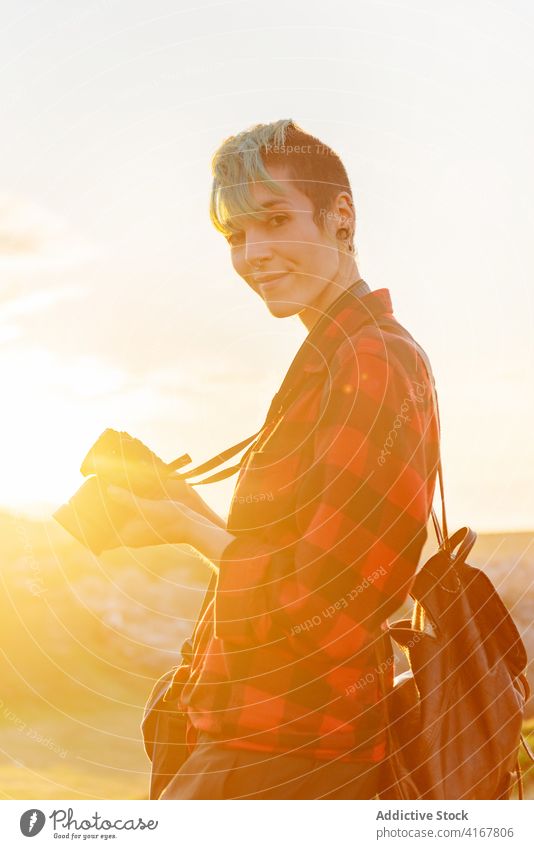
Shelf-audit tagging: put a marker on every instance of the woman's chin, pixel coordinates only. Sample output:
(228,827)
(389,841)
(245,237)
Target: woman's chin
(281,308)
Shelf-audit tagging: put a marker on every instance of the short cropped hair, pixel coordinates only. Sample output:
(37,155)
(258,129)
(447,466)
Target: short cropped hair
(315,169)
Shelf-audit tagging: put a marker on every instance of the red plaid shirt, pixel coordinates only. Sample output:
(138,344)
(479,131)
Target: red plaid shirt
(330,515)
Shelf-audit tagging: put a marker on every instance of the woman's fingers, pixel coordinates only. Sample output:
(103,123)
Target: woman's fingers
(143,506)
(150,522)
(122,496)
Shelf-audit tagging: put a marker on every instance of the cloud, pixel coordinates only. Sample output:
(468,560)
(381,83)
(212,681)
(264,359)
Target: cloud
(36,301)
(8,332)
(34,239)
(34,242)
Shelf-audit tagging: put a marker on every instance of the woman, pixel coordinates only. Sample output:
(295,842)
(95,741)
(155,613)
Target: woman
(330,508)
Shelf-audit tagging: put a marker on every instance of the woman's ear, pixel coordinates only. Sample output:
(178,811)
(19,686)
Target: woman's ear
(345,215)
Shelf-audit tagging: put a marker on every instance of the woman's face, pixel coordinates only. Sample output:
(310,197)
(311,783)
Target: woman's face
(283,255)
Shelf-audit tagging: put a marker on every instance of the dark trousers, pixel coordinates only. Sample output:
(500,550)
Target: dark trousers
(215,772)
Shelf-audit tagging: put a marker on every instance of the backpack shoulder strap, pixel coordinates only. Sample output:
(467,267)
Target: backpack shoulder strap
(442,533)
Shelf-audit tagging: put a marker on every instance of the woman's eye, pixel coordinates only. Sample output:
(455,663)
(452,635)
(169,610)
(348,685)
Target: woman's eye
(277,220)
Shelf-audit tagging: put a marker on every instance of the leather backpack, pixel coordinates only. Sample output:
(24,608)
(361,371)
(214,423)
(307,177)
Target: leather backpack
(455,717)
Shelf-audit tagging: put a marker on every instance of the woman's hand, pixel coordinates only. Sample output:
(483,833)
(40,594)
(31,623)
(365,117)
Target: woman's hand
(156,522)
(152,521)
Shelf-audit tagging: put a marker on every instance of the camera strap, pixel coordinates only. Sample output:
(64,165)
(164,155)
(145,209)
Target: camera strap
(279,404)
(216,461)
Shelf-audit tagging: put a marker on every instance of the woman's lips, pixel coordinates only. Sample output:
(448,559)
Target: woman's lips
(267,285)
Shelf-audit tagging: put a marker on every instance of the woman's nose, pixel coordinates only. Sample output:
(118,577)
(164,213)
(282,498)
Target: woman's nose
(256,251)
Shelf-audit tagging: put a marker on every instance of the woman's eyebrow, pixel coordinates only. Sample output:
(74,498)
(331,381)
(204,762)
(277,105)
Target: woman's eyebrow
(263,206)
(270,203)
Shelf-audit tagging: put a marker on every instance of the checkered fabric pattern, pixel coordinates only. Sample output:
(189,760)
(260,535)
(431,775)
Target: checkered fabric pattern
(330,515)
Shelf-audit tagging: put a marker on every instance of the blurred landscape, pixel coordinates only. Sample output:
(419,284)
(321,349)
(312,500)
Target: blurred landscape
(84,638)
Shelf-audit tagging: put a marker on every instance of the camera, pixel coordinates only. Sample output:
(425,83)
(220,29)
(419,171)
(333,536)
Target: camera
(120,459)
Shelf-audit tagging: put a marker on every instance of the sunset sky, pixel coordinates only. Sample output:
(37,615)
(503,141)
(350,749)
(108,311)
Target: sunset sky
(118,303)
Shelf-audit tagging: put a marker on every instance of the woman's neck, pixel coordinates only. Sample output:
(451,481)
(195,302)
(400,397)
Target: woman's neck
(310,315)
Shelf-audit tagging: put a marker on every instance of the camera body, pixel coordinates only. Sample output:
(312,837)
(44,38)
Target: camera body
(119,459)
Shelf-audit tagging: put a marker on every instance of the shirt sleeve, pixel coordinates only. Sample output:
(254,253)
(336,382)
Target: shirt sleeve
(362,511)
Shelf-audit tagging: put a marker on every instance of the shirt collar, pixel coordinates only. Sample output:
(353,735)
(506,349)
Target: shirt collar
(356,306)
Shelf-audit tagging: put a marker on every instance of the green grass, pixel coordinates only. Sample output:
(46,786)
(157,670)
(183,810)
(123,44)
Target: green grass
(96,756)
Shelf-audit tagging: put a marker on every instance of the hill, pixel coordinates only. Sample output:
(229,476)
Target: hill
(84,638)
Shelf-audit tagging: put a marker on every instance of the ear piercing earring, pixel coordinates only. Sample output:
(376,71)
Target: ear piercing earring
(345,236)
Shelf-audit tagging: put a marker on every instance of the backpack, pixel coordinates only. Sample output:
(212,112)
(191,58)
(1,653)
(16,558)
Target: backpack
(455,717)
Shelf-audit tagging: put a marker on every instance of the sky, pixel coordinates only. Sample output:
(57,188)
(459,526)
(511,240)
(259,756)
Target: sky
(119,306)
